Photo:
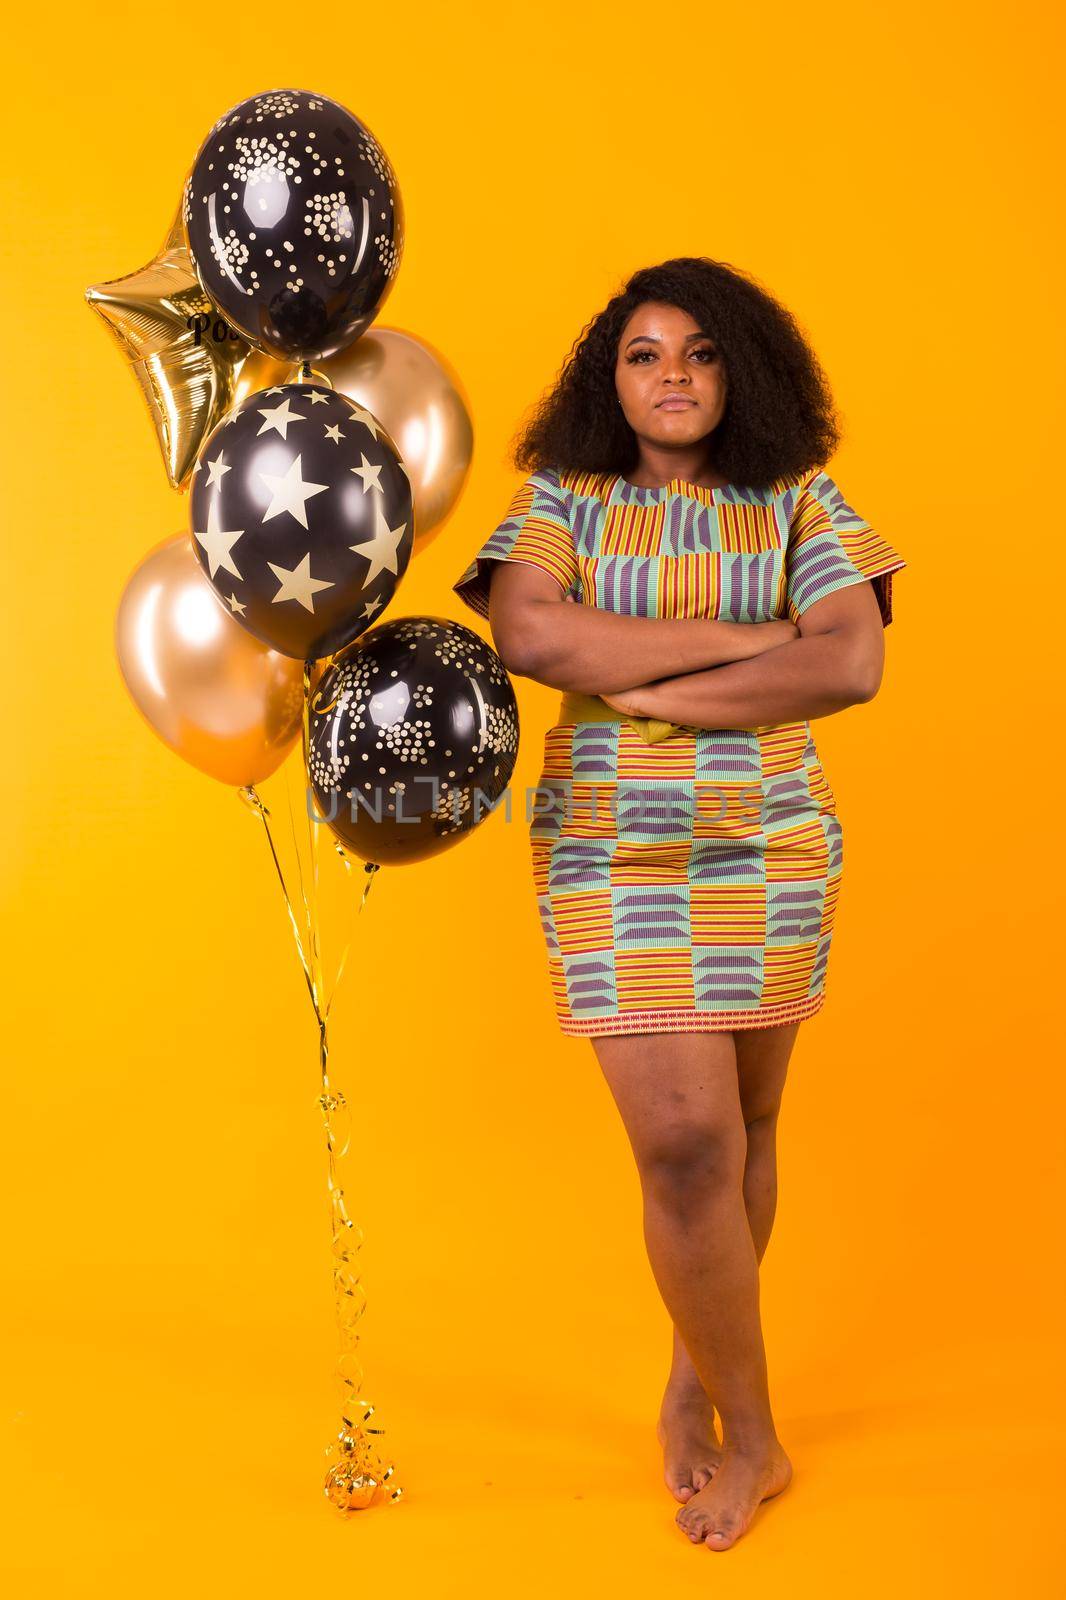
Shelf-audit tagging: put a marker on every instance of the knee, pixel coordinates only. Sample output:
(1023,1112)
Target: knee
(684,1165)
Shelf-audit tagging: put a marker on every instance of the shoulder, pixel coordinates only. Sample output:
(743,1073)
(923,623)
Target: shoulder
(545,483)
(587,492)
(572,484)
(823,495)
(545,478)
(541,498)
(809,493)
(796,483)
(564,489)
(573,477)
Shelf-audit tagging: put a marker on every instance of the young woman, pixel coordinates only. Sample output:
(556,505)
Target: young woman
(680,565)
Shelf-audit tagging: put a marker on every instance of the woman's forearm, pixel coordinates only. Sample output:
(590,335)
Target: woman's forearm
(808,677)
(594,651)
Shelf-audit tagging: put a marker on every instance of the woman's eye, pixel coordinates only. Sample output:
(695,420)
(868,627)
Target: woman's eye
(704,350)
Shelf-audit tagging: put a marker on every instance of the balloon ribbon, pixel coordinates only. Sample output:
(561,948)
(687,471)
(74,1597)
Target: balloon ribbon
(357,1468)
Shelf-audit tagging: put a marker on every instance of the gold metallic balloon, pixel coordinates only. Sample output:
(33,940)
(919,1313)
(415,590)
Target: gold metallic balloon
(213,692)
(414,393)
(180,348)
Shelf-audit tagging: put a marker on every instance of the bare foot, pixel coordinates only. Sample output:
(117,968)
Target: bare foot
(691,1451)
(720,1512)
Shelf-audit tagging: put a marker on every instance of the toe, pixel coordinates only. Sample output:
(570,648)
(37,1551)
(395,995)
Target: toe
(723,1528)
(689,1521)
(722,1535)
(702,1475)
(680,1486)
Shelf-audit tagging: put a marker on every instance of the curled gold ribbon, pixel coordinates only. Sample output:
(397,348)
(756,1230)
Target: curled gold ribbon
(357,1468)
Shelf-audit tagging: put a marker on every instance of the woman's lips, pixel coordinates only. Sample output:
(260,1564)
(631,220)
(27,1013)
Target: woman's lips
(675,403)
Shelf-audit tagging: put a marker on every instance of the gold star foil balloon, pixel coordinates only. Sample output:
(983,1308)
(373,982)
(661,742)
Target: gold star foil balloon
(181,350)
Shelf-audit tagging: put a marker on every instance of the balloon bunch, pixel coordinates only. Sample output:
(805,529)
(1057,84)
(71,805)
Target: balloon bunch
(320,453)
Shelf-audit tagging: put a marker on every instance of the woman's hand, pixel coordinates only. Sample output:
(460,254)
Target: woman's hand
(627,701)
(768,635)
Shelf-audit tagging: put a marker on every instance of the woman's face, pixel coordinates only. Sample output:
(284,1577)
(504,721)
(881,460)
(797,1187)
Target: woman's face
(669,376)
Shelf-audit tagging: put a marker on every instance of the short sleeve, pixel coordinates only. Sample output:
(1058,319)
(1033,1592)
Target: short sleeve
(536,529)
(830,547)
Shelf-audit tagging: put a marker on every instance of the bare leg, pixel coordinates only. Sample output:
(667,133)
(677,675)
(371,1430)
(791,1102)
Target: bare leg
(691,1451)
(679,1098)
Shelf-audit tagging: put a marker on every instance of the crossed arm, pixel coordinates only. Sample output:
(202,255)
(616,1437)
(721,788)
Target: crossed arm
(705,674)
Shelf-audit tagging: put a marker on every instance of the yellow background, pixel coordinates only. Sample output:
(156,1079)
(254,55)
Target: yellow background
(892,174)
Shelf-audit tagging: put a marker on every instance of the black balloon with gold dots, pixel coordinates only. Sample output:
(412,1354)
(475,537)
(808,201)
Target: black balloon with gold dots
(294,222)
(413,737)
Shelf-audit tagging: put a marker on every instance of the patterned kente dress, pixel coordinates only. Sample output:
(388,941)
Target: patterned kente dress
(690,884)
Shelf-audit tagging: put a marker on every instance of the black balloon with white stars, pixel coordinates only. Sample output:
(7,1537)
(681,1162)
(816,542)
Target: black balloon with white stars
(413,739)
(294,222)
(302,517)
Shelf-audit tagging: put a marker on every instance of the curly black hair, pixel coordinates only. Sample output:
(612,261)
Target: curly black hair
(779,415)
